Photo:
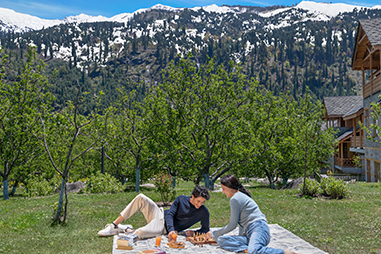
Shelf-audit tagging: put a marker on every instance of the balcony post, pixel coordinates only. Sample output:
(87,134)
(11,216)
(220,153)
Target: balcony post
(371,72)
(363,80)
(354,131)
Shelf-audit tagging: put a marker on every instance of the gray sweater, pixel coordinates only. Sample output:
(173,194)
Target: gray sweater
(243,211)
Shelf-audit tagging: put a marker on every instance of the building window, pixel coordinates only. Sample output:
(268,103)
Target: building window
(377,172)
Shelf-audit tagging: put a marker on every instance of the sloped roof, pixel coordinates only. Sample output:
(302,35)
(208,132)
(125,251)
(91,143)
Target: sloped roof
(344,135)
(372,28)
(340,105)
(368,36)
(355,109)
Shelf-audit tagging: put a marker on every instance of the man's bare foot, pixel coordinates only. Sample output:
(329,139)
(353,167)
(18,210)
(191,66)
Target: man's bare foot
(287,251)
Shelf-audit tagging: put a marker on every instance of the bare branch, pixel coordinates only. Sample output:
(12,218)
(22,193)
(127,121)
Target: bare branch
(47,149)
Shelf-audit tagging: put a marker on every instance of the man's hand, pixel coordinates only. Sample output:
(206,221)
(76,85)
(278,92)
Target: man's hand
(189,233)
(208,235)
(170,234)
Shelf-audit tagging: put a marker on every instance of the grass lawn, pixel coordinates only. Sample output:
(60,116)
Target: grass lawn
(336,226)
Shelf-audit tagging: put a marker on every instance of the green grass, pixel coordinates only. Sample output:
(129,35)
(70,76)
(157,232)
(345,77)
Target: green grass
(336,226)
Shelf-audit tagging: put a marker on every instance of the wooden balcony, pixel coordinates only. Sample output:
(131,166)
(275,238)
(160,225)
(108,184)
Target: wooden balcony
(372,87)
(345,162)
(357,141)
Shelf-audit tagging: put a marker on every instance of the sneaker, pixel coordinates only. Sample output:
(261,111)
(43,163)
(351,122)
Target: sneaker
(109,230)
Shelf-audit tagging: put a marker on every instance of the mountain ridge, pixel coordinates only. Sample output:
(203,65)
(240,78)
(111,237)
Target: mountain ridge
(11,21)
(288,50)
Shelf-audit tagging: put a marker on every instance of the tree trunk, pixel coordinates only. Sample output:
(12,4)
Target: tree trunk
(5,189)
(271,181)
(212,183)
(137,182)
(206,180)
(14,188)
(305,166)
(57,216)
(103,160)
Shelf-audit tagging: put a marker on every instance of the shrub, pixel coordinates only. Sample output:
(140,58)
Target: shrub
(312,187)
(163,183)
(39,186)
(333,188)
(99,183)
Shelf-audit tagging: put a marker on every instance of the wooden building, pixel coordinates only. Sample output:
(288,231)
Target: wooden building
(366,58)
(344,113)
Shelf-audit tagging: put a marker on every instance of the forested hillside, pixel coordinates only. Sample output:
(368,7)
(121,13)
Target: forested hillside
(286,52)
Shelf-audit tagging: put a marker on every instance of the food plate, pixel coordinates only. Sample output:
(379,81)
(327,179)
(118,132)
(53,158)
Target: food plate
(200,239)
(176,245)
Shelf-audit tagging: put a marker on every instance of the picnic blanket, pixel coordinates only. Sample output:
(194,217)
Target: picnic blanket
(280,238)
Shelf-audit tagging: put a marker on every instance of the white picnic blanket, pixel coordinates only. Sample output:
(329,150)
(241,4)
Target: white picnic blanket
(281,238)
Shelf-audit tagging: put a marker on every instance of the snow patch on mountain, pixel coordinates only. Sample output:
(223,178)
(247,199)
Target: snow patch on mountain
(214,8)
(274,12)
(329,9)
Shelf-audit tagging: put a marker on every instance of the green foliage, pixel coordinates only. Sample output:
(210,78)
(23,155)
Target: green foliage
(99,183)
(283,137)
(329,187)
(311,189)
(23,100)
(39,186)
(334,188)
(373,132)
(163,183)
(195,117)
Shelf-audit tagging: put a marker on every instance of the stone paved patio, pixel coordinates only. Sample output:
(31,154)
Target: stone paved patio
(280,238)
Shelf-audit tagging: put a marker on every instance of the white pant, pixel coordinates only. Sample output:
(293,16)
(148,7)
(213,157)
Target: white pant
(152,213)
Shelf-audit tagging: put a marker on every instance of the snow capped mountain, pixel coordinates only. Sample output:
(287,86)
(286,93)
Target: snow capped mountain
(19,22)
(83,18)
(331,10)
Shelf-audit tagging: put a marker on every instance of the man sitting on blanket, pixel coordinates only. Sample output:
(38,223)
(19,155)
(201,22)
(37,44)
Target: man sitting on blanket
(183,213)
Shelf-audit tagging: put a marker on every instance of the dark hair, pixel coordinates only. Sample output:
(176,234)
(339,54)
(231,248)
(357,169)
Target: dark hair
(232,182)
(200,191)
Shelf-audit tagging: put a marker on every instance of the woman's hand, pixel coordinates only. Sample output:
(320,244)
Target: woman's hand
(208,235)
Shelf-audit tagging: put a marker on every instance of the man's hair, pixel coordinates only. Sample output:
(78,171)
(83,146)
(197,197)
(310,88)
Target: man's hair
(200,191)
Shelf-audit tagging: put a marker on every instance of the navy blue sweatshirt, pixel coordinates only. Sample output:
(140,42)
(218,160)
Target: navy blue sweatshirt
(183,215)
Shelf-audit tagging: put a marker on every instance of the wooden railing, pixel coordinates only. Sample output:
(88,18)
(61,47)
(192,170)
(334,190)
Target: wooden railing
(372,87)
(359,141)
(345,162)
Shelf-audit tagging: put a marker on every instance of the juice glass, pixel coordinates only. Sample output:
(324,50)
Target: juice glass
(158,240)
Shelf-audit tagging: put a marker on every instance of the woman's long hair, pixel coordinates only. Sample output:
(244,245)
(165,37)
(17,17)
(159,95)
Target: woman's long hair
(232,182)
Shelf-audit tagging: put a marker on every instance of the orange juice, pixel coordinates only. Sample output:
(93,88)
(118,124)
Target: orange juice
(158,240)
(174,237)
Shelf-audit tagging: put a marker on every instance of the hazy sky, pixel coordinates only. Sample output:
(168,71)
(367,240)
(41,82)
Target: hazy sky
(50,9)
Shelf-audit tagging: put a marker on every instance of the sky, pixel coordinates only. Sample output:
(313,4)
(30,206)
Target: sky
(49,9)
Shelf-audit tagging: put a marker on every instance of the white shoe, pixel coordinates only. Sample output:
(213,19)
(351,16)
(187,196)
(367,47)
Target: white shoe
(109,230)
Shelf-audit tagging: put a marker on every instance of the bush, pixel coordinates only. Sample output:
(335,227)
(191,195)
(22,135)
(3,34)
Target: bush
(99,183)
(333,188)
(163,183)
(39,186)
(312,187)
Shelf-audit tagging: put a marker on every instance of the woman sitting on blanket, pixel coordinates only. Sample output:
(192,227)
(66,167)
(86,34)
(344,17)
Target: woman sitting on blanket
(246,213)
